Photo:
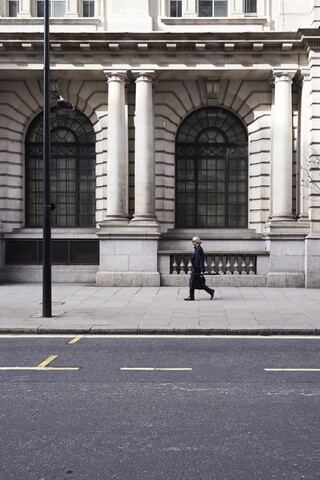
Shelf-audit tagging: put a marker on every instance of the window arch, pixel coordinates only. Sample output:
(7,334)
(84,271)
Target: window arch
(211,170)
(73,180)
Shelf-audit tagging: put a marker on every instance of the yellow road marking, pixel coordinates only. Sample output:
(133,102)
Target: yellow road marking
(292,369)
(153,368)
(39,369)
(47,361)
(42,366)
(75,340)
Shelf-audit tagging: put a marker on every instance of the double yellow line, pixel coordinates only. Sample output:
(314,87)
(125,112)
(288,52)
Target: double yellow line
(42,367)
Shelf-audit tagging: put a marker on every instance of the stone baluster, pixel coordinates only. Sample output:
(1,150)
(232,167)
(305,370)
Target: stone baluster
(251,266)
(182,266)
(236,266)
(244,266)
(228,265)
(220,267)
(174,266)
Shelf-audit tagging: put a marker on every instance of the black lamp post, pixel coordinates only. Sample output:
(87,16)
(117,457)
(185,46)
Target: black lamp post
(46,243)
(47,205)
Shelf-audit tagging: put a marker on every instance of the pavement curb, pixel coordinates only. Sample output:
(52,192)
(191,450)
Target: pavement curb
(155,331)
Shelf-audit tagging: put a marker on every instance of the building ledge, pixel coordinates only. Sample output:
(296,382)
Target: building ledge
(214,21)
(53,21)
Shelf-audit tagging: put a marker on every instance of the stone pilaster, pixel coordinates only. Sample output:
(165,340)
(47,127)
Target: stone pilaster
(72,9)
(25,8)
(304,150)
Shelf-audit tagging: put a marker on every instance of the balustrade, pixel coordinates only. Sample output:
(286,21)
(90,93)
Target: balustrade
(216,264)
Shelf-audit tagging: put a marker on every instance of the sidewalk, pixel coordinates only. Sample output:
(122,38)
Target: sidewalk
(81,308)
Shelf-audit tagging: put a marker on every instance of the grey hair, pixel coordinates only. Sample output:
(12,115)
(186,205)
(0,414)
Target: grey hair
(197,240)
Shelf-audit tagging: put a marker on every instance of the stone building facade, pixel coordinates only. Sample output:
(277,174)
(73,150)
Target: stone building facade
(190,118)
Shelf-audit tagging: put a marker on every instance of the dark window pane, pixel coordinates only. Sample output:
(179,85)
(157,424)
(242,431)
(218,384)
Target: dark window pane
(221,8)
(205,8)
(218,192)
(88,8)
(250,6)
(13,8)
(72,170)
(84,252)
(40,8)
(60,252)
(176,8)
(22,252)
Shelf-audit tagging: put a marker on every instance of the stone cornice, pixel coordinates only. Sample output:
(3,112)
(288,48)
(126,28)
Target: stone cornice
(145,43)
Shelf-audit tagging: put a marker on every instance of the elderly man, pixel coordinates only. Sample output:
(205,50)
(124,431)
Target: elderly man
(197,270)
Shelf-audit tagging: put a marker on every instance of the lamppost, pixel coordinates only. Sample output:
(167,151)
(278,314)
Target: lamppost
(46,242)
(47,205)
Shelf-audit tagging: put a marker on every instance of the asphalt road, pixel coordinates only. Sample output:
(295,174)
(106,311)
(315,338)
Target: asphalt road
(159,408)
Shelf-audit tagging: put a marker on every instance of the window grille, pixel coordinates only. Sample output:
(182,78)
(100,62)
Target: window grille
(211,171)
(72,165)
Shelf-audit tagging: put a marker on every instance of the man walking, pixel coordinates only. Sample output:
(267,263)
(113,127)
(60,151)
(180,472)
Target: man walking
(197,270)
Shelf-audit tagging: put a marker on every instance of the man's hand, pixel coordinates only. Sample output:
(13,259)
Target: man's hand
(202,273)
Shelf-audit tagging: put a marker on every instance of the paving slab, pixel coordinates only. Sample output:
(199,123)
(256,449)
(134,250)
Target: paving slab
(83,308)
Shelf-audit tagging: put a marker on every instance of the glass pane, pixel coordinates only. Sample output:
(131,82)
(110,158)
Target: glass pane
(176,8)
(13,8)
(59,8)
(40,8)
(205,8)
(217,168)
(250,6)
(88,8)
(221,8)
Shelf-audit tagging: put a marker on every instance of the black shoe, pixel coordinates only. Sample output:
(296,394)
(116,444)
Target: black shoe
(189,299)
(211,294)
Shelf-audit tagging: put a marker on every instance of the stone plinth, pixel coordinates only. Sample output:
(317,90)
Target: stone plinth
(128,256)
(312,261)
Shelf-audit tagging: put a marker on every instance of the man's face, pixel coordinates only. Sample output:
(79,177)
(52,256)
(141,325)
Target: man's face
(194,243)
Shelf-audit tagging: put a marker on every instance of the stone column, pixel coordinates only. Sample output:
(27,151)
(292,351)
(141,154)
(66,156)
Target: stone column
(281,148)
(25,9)
(117,167)
(144,150)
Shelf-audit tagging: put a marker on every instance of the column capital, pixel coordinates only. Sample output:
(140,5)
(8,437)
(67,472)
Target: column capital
(283,75)
(144,75)
(116,75)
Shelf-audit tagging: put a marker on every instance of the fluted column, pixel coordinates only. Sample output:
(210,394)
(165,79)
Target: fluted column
(144,150)
(117,166)
(282,147)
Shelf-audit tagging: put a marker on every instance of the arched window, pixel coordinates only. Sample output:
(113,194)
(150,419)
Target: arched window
(73,179)
(211,170)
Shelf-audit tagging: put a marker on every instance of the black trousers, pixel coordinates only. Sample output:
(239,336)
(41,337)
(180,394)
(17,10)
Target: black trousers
(193,282)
